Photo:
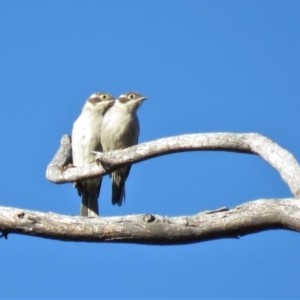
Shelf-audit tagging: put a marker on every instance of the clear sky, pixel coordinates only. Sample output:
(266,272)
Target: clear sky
(206,66)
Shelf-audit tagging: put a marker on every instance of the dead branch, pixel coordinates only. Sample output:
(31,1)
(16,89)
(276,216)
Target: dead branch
(251,217)
(244,219)
(251,143)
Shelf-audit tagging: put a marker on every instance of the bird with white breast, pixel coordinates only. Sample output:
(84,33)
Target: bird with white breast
(120,129)
(86,136)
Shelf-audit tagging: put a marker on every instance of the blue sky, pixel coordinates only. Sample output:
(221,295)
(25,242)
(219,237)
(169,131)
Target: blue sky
(206,66)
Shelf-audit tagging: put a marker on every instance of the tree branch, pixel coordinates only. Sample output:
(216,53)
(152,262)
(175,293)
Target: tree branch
(251,217)
(251,143)
(247,218)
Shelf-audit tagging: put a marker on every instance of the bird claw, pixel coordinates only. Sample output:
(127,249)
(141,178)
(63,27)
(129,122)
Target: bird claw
(64,168)
(98,156)
(104,165)
(99,160)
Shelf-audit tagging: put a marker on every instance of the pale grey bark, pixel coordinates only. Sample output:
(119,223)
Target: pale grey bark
(244,219)
(149,229)
(250,143)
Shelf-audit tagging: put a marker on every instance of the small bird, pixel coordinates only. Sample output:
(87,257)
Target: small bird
(120,129)
(86,135)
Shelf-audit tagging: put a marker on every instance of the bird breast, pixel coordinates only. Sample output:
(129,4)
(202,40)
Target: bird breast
(85,138)
(119,130)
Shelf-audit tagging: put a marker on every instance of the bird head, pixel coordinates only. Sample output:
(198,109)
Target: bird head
(131,101)
(99,101)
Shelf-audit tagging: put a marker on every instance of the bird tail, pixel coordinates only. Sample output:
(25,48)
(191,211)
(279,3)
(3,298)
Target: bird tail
(118,188)
(89,204)
(89,201)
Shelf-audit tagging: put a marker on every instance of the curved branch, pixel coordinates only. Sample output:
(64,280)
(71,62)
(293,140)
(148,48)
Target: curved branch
(251,143)
(62,158)
(244,219)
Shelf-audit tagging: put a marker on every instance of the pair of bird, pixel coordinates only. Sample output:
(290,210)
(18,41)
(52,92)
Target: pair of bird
(105,124)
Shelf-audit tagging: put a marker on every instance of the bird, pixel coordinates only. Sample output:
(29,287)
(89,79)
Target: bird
(120,129)
(86,135)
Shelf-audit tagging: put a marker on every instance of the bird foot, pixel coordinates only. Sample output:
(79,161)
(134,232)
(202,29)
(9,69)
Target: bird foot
(100,161)
(64,168)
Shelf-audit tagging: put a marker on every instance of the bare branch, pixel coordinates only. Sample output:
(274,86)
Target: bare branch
(62,158)
(251,217)
(251,143)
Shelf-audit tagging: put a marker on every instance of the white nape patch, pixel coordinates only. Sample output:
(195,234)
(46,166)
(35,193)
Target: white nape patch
(88,104)
(93,96)
(118,103)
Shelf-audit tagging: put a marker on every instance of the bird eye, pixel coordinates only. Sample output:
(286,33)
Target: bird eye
(104,96)
(131,96)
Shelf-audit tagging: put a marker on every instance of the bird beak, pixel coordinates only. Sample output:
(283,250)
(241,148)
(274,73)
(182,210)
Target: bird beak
(142,99)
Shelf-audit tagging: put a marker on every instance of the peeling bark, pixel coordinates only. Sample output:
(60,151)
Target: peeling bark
(251,217)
